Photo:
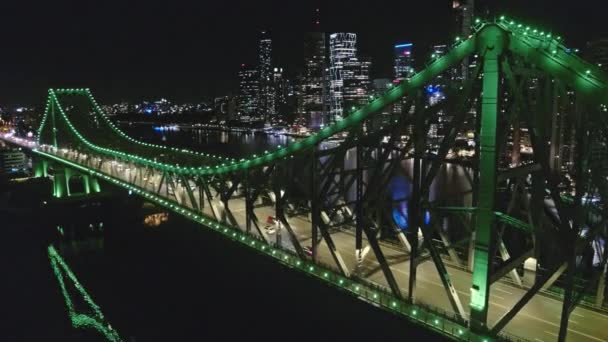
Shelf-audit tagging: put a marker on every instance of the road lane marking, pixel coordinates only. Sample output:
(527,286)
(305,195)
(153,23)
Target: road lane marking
(538,339)
(550,333)
(501,290)
(586,335)
(555,325)
(504,307)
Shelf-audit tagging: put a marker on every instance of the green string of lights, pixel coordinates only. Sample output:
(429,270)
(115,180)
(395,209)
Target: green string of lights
(44,119)
(79,320)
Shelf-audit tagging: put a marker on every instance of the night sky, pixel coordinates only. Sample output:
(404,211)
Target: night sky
(189,50)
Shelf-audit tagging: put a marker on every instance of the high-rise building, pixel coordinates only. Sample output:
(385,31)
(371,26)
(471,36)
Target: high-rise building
(266,107)
(403,66)
(356,84)
(436,93)
(404,62)
(342,47)
(314,79)
(380,86)
(12,160)
(439,51)
(225,107)
(464,12)
(280,87)
(248,92)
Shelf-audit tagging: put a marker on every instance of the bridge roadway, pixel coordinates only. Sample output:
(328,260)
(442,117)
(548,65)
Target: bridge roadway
(538,320)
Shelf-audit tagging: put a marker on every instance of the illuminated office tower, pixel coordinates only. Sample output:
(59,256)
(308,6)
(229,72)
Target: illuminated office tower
(248,92)
(342,47)
(356,84)
(314,78)
(403,66)
(266,107)
(404,62)
(280,88)
(464,12)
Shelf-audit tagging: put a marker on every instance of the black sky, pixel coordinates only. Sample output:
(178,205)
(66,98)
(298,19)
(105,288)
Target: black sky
(187,50)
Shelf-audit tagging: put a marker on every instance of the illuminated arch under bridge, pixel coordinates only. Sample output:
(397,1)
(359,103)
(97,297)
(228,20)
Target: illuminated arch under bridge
(340,220)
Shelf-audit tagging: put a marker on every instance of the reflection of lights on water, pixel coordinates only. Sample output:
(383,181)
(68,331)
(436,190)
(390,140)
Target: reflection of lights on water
(154,220)
(166,128)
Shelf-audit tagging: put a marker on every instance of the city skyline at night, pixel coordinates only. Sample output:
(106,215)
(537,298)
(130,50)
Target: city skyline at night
(190,53)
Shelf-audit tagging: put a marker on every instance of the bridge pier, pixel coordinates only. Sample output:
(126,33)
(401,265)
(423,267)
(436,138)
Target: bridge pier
(91,184)
(61,181)
(40,167)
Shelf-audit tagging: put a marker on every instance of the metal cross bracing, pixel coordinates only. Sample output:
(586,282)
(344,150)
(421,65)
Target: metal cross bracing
(334,204)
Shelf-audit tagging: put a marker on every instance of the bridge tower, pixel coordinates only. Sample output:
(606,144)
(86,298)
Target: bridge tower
(491,44)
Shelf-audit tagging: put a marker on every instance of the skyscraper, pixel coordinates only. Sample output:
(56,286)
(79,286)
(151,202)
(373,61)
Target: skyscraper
(464,12)
(266,107)
(312,87)
(436,93)
(248,92)
(279,85)
(356,84)
(342,47)
(404,62)
(403,67)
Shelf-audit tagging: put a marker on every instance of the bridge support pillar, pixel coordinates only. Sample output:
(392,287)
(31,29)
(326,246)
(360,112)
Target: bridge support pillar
(60,182)
(493,42)
(40,167)
(87,184)
(91,184)
(94,184)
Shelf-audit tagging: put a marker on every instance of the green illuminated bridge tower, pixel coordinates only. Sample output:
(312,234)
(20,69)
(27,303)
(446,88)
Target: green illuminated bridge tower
(450,265)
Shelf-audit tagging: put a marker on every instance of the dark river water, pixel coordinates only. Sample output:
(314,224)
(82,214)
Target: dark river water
(233,144)
(179,282)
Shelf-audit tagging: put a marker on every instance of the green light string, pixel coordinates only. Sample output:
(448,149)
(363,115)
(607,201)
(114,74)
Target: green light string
(43,121)
(78,320)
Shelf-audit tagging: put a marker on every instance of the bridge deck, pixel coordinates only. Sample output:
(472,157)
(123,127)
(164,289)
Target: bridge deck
(539,318)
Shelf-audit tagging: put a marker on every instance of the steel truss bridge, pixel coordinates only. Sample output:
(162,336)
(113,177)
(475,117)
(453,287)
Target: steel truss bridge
(459,252)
